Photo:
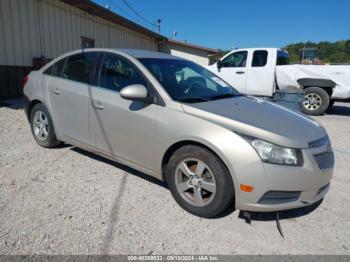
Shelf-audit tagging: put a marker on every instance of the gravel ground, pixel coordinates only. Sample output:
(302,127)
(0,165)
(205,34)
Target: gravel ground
(68,201)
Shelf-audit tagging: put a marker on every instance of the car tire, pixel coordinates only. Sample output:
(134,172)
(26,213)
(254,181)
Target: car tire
(42,127)
(316,101)
(207,170)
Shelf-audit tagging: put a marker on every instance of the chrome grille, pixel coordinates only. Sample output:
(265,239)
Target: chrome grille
(325,160)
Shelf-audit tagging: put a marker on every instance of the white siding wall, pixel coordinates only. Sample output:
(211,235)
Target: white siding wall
(198,56)
(31,28)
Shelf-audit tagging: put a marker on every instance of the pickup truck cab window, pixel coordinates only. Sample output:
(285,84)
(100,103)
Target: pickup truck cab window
(236,59)
(259,58)
(282,58)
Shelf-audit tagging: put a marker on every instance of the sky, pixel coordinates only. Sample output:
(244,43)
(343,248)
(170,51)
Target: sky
(241,23)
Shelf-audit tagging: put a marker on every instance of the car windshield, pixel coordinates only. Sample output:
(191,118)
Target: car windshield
(188,82)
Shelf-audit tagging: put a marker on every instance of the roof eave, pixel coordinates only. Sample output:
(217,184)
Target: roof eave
(207,49)
(97,10)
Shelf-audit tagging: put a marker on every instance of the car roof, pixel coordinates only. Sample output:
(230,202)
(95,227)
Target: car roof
(259,48)
(136,53)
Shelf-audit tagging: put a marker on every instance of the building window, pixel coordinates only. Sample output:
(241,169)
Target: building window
(87,42)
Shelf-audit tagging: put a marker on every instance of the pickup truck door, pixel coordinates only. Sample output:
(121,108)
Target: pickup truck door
(233,70)
(260,73)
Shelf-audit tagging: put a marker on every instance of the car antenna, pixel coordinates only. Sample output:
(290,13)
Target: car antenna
(279,224)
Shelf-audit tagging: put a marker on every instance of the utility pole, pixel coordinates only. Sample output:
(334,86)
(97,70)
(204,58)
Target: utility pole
(174,34)
(158,24)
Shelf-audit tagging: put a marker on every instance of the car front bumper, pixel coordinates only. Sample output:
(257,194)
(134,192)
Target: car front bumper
(279,187)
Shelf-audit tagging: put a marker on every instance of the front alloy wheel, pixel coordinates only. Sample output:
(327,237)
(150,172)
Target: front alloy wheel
(199,181)
(195,182)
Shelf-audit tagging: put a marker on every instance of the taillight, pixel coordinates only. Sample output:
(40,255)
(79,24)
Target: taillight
(24,81)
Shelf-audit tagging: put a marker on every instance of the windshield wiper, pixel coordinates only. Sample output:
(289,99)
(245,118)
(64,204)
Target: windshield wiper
(196,99)
(222,96)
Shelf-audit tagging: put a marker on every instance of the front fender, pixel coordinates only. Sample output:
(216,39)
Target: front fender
(235,152)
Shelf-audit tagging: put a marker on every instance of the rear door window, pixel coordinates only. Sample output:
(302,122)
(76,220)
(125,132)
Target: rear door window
(79,67)
(56,69)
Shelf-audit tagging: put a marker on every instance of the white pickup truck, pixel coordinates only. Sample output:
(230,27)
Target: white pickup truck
(262,71)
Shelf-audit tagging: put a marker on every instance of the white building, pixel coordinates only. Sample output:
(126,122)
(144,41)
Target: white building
(196,53)
(31,29)
(35,31)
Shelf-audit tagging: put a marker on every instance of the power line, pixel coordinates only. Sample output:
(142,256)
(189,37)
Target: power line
(127,14)
(138,14)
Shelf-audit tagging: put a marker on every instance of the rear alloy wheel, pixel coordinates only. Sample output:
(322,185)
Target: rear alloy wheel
(42,127)
(199,181)
(316,101)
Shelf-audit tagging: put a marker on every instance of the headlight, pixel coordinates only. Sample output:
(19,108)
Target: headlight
(274,154)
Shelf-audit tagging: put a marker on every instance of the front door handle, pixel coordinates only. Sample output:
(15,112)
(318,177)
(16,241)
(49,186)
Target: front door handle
(240,72)
(56,91)
(98,105)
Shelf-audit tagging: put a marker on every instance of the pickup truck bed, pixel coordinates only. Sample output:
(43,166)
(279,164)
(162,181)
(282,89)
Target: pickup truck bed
(335,76)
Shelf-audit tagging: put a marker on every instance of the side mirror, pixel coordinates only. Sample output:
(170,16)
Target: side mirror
(218,64)
(135,93)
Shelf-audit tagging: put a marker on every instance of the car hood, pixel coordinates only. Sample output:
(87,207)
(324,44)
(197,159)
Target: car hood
(260,119)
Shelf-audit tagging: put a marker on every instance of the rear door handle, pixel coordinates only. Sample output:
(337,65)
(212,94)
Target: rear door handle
(98,105)
(56,91)
(240,72)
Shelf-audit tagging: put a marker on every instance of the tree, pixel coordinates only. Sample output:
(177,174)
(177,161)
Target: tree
(337,52)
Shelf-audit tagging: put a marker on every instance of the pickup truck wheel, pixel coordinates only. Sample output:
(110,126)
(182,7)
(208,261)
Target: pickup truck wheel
(316,101)
(199,181)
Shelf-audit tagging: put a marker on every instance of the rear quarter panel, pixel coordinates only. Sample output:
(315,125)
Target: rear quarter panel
(37,89)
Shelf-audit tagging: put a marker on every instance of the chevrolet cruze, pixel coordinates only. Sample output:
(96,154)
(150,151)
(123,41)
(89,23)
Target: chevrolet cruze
(172,119)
